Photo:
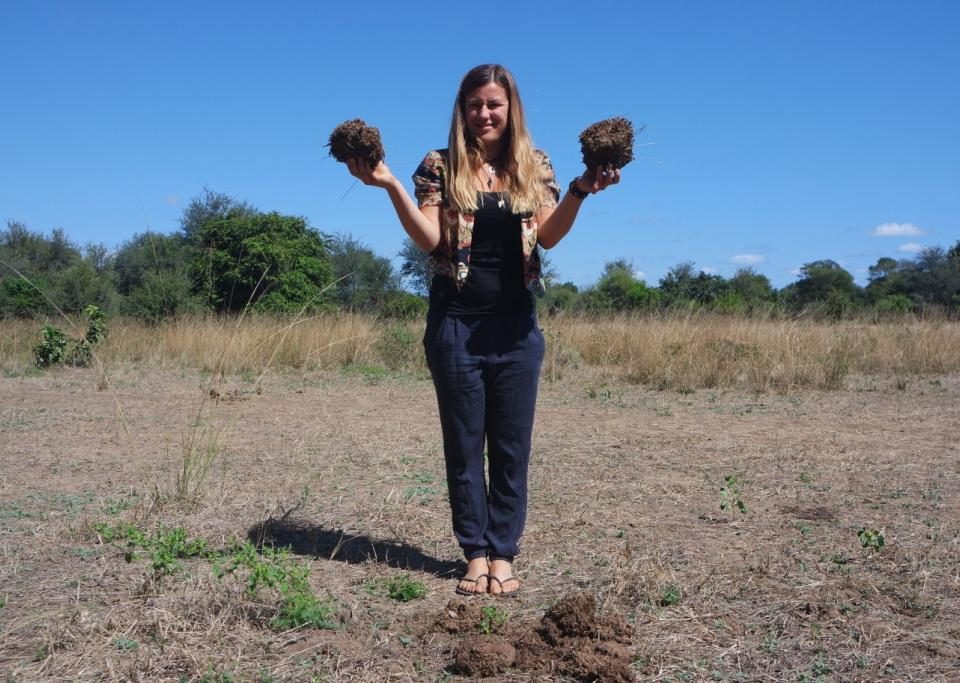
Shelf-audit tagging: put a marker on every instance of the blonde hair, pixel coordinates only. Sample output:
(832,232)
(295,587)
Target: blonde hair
(522,172)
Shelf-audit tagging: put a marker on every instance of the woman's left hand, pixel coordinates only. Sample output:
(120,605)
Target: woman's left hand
(598,178)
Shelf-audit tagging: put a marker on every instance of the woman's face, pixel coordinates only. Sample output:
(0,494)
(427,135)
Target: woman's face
(486,111)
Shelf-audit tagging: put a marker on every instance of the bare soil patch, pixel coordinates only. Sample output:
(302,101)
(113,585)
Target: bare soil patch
(630,566)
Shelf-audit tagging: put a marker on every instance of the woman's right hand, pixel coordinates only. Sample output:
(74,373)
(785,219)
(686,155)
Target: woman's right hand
(378,176)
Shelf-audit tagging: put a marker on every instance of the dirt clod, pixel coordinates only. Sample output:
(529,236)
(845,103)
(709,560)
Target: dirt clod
(571,639)
(484,656)
(608,142)
(355,139)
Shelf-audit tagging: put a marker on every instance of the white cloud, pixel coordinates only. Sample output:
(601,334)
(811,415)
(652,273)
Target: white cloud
(708,270)
(639,274)
(172,199)
(896,230)
(910,247)
(797,272)
(748,259)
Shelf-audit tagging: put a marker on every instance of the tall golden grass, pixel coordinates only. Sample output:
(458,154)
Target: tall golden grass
(664,351)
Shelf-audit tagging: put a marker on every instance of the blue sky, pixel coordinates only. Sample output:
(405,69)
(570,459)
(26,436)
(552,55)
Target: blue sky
(776,133)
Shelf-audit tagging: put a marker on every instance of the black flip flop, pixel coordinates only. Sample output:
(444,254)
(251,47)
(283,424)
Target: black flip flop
(474,581)
(502,593)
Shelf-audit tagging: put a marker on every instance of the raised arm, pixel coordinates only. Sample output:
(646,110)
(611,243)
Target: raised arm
(422,224)
(555,222)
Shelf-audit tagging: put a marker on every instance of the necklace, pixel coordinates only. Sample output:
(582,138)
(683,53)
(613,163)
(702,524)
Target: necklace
(491,177)
(491,174)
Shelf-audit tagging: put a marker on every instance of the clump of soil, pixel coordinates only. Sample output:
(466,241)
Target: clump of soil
(608,142)
(355,139)
(571,640)
(484,656)
(461,617)
(587,646)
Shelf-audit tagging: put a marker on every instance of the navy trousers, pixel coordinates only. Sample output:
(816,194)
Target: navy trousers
(486,372)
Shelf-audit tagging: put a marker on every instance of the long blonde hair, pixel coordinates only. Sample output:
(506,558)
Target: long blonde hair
(521,172)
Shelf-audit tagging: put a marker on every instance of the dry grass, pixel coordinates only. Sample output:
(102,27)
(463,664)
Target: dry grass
(624,499)
(681,352)
(624,504)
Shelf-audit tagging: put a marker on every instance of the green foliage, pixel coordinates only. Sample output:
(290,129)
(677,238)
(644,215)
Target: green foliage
(619,290)
(825,287)
(20,299)
(493,618)
(124,643)
(364,281)
(403,305)
(165,548)
(560,297)
(670,595)
(415,269)
(894,304)
(401,588)
(681,287)
(52,349)
(871,539)
(152,276)
(276,263)
(397,346)
(274,569)
(730,495)
(210,206)
(56,348)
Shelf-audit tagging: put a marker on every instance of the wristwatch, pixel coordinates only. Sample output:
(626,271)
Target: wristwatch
(576,191)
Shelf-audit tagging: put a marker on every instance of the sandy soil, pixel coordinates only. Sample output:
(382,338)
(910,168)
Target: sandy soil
(625,530)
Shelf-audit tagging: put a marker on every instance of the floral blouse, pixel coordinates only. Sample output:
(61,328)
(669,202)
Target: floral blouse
(452,255)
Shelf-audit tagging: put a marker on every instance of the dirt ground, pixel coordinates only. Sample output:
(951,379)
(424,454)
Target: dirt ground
(843,565)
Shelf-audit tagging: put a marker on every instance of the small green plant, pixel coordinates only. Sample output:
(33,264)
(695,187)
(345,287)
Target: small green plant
(124,643)
(493,618)
(730,495)
(670,595)
(402,588)
(165,548)
(871,539)
(274,569)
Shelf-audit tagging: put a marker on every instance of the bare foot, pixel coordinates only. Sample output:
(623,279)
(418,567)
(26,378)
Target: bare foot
(502,580)
(474,582)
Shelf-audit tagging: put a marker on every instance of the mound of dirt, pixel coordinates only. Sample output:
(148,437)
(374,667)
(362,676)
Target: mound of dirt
(571,640)
(484,656)
(608,142)
(355,139)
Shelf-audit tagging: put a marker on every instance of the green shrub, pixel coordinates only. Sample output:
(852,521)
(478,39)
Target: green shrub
(55,348)
(52,349)
(397,346)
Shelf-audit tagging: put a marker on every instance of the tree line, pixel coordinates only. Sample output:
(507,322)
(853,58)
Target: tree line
(229,256)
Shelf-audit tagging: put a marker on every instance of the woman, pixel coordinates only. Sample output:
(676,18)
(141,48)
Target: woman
(484,204)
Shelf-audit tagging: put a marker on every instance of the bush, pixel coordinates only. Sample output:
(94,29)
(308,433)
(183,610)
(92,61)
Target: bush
(397,346)
(55,348)
(52,349)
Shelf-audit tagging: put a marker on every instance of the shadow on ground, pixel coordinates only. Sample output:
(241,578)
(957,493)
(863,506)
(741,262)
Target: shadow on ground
(304,538)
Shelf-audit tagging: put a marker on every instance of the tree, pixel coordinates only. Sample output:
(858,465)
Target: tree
(680,286)
(619,289)
(415,269)
(933,277)
(152,275)
(364,281)
(826,285)
(210,206)
(884,279)
(275,262)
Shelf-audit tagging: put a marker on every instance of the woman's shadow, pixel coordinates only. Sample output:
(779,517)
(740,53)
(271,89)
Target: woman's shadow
(304,538)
